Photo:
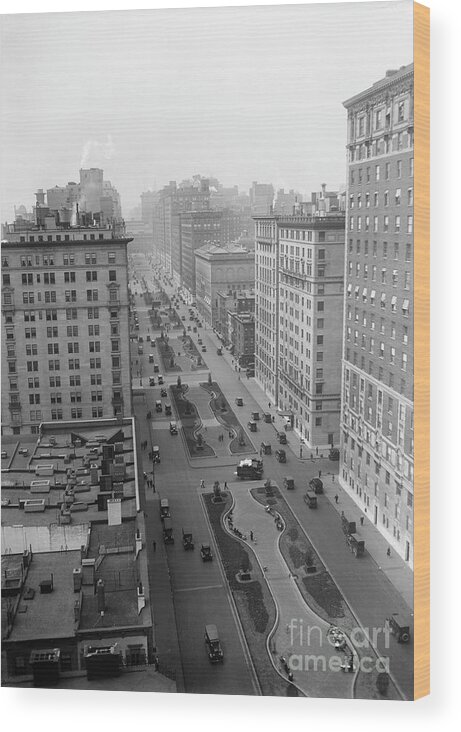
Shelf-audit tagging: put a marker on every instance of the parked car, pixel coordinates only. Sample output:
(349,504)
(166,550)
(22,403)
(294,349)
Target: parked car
(158,406)
(163,392)
(173,428)
(167,409)
(203,349)
(281,456)
(289,483)
(160,380)
(282,438)
(239,401)
(151,381)
(252,426)
(219,351)
(205,553)
(187,539)
(4,454)
(23,451)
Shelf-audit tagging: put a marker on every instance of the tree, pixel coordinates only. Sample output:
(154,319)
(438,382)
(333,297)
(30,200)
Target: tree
(171,361)
(309,559)
(178,382)
(217,490)
(241,437)
(199,440)
(210,380)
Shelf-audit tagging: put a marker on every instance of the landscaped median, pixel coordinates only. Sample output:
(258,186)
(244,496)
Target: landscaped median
(252,598)
(190,422)
(241,443)
(320,591)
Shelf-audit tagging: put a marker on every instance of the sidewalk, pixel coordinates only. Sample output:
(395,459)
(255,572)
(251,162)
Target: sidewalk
(165,631)
(397,571)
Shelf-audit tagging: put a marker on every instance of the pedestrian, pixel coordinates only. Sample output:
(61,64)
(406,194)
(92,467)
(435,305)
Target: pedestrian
(225,485)
(333,479)
(202,484)
(361,520)
(156,663)
(154,545)
(269,405)
(320,473)
(336,498)
(251,536)
(273,418)
(316,450)
(388,551)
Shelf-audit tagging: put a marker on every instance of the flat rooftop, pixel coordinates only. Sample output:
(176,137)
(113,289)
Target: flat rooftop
(50,615)
(57,447)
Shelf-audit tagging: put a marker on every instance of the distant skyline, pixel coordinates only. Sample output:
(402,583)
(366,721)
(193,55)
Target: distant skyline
(239,93)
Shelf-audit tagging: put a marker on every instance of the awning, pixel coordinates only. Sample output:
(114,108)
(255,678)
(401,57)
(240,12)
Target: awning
(406,305)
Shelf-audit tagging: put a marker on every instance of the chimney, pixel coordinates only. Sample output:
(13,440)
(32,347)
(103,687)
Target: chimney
(141,597)
(101,595)
(77,611)
(77,577)
(138,542)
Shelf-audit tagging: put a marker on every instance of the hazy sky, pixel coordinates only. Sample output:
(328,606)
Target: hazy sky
(241,93)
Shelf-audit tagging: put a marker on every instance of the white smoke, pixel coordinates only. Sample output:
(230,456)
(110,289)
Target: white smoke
(94,153)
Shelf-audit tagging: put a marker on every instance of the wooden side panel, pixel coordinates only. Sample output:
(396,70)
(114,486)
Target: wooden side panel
(422,352)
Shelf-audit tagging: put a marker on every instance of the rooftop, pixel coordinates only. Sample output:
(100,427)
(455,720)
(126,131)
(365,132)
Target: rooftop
(392,76)
(50,615)
(58,447)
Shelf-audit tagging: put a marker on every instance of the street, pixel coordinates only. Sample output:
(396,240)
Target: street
(367,590)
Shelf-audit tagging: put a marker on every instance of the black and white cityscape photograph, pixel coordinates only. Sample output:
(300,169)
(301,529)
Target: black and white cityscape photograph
(207,350)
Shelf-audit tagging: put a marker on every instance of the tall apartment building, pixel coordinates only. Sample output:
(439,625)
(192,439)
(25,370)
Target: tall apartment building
(261,198)
(65,334)
(267,304)
(218,268)
(196,229)
(173,200)
(299,301)
(377,391)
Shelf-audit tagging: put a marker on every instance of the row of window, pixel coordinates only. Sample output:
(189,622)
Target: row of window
(49,278)
(73,364)
(383,251)
(30,316)
(55,382)
(382,301)
(353,358)
(369,200)
(383,279)
(368,223)
(369,319)
(366,175)
(49,260)
(361,340)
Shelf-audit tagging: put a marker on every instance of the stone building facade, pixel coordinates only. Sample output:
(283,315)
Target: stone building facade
(65,331)
(377,391)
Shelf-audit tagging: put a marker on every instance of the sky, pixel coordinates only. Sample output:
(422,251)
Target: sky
(240,93)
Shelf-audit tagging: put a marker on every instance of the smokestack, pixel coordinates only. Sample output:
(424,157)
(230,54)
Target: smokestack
(141,597)
(101,595)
